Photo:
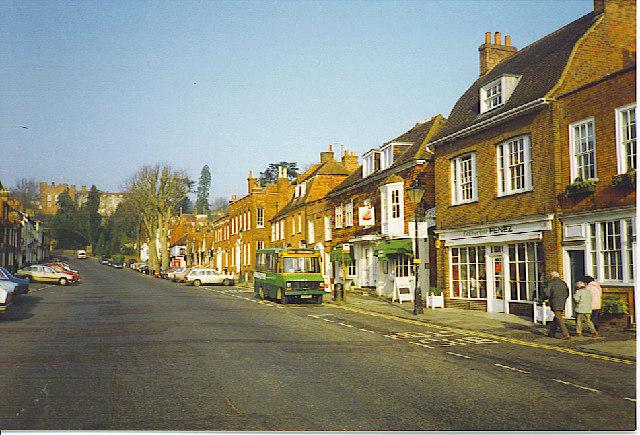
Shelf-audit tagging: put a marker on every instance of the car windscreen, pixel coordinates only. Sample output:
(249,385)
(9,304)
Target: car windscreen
(301,265)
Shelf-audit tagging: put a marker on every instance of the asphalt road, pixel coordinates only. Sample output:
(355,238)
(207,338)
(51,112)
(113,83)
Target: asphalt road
(122,351)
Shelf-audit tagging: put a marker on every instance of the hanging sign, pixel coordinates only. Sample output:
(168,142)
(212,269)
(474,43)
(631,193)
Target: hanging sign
(366,215)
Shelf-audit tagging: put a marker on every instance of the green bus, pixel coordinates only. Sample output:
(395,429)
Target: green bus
(287,274)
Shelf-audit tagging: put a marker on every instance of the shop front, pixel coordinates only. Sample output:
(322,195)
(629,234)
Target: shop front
(496,267)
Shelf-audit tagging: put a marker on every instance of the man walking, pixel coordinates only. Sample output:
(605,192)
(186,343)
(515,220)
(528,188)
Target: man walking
(583,309)
(557,293)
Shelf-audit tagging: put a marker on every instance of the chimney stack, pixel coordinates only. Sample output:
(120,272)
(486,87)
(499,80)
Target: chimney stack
(598,6)
(325,156)
(491,54)
(350,161)
(252,182)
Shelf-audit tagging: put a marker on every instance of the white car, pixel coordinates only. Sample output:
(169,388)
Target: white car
(81,253)
(7,290)
(208,276)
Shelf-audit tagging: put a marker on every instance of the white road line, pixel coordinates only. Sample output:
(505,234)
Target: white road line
(327,320)
(629,398)
(391,336)
(422,345)
(576,385)
(367,330)
(314,316)
(345,324)
(459,354)
(512,368)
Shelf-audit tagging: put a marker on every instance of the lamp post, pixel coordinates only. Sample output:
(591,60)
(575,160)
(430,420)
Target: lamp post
(415,192)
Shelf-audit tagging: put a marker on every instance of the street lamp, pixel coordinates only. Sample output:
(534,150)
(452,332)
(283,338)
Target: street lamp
(415,192)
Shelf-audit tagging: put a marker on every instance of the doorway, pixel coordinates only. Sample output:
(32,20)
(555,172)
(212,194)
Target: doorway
(495,284)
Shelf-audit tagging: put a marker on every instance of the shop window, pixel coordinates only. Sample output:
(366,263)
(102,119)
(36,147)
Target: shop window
(403,266)
(626,138)
(525,270)
(468,273)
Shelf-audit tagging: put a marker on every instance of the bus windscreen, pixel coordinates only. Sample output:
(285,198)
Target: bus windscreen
(301,264)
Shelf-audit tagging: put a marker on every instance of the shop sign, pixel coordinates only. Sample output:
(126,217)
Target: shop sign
(366,216)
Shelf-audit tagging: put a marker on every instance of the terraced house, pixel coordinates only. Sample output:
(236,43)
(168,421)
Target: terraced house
(371,213)
(300,222)
(534,166)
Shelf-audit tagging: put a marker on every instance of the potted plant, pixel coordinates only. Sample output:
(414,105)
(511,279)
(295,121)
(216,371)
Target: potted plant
(626,181)
(435,298)
(580,187)
(615,309)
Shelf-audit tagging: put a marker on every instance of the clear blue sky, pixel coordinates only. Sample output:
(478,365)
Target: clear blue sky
(107,86)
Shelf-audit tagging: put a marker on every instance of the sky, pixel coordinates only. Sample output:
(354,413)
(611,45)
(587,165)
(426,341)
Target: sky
(105,87)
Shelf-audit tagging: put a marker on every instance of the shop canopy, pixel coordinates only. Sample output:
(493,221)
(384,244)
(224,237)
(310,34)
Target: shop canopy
(337,254)
(389,248)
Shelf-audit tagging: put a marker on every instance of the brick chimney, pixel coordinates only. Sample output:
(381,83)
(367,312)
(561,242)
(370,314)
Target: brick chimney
(492,53)
(252,183)
(598,6)
(325,156)
(350,160)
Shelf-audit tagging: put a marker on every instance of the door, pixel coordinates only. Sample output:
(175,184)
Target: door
(495,284)
(576,272)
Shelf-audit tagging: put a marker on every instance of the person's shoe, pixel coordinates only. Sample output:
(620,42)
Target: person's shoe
(579,334)
(566,337)
(596,334)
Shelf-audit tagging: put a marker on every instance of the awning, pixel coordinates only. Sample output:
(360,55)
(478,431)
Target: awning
(389,248)
(338,254)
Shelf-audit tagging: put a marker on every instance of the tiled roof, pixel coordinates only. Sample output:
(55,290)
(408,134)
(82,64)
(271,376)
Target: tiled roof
(418,134)
(540,66)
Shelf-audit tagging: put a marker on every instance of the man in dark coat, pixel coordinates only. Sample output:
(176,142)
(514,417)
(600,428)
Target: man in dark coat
(557,293)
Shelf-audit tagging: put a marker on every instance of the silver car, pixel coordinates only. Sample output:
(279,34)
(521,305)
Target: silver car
(208,276)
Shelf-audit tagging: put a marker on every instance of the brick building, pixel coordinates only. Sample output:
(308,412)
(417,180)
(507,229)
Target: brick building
(49,193)
(370,212)
(297,223)
(537,119)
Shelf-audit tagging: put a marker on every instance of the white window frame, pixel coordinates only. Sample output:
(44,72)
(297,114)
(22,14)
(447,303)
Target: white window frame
(368,163)
(390,225)
(338,212)
(572,149)
(623,167)
(348,214)
(627,250)
(386,156)
(293,225)
(311,236)
(504,172)
(488,97)
(303,189)
(327,228)
(260,217)
(456,187)
(300,223)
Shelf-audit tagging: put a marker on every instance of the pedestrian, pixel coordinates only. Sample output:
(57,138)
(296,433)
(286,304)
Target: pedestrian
(557,293)
(596,299)
(583,309)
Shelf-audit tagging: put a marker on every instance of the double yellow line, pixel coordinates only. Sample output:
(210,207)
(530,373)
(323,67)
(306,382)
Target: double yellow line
(487,335)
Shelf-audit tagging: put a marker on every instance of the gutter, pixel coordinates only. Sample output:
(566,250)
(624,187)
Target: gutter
(517,111)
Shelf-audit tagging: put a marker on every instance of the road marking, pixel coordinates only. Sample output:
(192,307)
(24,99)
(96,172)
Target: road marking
(313,315)
(488,335)
(512,368)
(576,385)
(422,345)
(327,320)
(629,398)
(459,354)
(391,336)
(345,324)
(367,330)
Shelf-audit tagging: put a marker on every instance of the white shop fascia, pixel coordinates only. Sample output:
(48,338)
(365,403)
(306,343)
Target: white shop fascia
(494,233)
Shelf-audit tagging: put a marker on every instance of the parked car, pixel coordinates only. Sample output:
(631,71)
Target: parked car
(104,260)
(7,291)
(41,273)
(171,272)
(81,254)
(198,277)
(117,264)
(181,275)
(60,267)
(144,269)
(22,285)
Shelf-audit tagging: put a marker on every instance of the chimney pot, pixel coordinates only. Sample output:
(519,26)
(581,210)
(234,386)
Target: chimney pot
(331,147)
(507,40)
(487,38)
(497,38)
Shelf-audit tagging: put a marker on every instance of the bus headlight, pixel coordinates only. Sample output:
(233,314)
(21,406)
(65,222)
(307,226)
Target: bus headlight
(288,285)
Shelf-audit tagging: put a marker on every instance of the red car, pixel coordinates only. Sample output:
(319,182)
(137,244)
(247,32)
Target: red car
(58,267)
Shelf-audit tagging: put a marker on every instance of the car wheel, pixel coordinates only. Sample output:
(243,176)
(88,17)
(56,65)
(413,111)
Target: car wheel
(197,283)
(226,282)
(28,278)
(62,281)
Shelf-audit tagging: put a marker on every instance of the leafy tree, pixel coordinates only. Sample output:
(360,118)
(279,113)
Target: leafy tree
(67,224)
(90,216)
(204,184)
(185,206)
(270,175)
(26,191)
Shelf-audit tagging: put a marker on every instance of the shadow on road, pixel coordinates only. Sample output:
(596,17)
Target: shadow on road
(21,309)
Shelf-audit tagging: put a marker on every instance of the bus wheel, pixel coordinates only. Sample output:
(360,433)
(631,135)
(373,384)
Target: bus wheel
(318,299)
(282,297)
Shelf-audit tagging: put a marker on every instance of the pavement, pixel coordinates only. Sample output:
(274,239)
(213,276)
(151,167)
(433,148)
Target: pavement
(613,341)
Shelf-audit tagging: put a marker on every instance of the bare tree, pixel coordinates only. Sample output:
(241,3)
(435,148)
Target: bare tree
(219,206)
(26,190)
(155,191)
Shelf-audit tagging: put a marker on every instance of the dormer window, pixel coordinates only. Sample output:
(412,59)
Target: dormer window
(369,165)
(497,93)
(386,157)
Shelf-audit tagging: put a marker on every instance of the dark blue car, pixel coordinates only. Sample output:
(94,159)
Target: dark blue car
(23,284)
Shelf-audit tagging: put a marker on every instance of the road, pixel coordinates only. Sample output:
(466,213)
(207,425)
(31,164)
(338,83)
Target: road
(123,351)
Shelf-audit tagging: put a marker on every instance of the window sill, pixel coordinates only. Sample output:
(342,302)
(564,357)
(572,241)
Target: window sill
(464,203)
(518,192)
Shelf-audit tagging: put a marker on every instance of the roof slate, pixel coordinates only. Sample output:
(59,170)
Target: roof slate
(540,66)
